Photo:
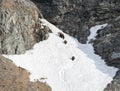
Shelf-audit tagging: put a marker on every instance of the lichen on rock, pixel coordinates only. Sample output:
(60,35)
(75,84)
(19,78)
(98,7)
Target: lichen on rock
(19,26)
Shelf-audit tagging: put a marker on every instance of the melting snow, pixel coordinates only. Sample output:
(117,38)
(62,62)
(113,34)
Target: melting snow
(94,30)
(51,59)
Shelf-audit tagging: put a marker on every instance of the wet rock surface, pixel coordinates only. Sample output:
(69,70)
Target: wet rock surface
(13,78)
(20,27)
(67,15)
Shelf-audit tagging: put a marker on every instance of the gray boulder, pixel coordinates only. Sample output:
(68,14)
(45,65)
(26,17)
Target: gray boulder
(19,26)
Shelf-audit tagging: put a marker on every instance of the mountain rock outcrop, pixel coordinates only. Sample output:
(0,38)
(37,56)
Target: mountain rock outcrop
(67,15)
(107,45)
(13,78)
(75,17)
(20,27)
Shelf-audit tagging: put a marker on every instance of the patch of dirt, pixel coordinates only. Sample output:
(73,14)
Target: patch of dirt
(13,78)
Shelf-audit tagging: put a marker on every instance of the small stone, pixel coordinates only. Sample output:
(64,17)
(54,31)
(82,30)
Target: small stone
(65,41)
(73,58)
(61,35)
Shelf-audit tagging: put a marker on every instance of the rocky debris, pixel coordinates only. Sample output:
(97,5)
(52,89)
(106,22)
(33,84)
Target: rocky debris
(43,34)
(115,84)
(61,35)
(20,27)
(73,58)
(65,41)
(13,78)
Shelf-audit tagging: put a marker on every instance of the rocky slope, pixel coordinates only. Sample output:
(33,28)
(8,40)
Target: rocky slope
(13,78)
(20,27)
(107,45)
(75,17)
(67,15)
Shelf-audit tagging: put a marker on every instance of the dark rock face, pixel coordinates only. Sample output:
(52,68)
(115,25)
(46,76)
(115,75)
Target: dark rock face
(13,78)
(76,16)
(105,11)
(107,44)
(67,15)
(19,26)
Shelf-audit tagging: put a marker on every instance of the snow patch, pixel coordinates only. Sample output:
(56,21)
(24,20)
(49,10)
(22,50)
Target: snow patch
(51,59)
(93,31)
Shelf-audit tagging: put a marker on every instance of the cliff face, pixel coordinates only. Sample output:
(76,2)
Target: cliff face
(20,29)
(19,26)
(13,78)
(75,17)
(107,45)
